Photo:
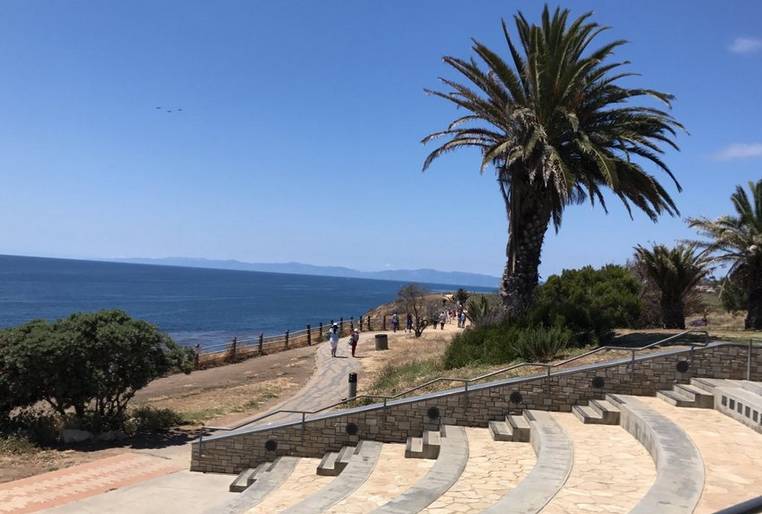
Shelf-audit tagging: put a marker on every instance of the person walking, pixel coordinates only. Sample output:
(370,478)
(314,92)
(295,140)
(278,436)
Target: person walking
(395,322)
(409,323)
(354,338)
(333,338)
(462,319)
(442,319)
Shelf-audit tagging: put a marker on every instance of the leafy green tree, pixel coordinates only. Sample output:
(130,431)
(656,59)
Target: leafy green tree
(589,302)
(92,363)
(559,127)
(675,272)
(733,296)
(413,299)
(461,296)
(736,241)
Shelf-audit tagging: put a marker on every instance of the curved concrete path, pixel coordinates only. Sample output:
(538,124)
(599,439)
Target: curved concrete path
(679,467)
(555,456)
(328,385)
(453,456)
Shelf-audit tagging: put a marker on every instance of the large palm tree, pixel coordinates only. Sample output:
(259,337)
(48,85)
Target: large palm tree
(737,242)
(558,127)
(675,272)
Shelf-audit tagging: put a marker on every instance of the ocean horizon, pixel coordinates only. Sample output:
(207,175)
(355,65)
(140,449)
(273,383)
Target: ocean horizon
(193,305)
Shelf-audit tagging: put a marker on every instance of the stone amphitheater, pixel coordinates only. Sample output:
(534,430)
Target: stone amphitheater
(676,430)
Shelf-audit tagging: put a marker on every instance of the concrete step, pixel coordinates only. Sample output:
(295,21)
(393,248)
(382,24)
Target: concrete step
(446,470)
(752,387)
(414,448)
(555,456)
(269,477)
(356,474)
(431,444)
(701,398)
(244,479)
(608,411)
(331,465)
(500,431)
(679,467)
(706,384)
(588,415)
(676,398)
(519,427)
(345,454)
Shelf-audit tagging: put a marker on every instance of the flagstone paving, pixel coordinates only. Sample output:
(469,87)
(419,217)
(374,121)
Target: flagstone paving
(732,453)
(493,468)
(392,476)
(612,471)
(303,482)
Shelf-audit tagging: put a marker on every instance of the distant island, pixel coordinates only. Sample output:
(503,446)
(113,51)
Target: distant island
(424,275)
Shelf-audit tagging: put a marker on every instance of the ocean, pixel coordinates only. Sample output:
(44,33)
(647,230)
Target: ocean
(193,305)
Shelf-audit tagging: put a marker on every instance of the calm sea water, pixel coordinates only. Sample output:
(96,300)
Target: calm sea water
(193,305)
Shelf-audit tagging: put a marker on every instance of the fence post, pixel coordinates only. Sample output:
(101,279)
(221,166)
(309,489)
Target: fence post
(233,349)
(286,339)
(383,323)
(352,323)
(370,324)
(320,333)
(261,343)
(309,336)
(196,356)
(341,326)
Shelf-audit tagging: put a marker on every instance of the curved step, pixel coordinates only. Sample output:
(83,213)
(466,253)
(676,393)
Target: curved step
(731,454)
(300,484)
(352,477)
(392,476)
(612,471)
(266,480)
(493,468)
(679,467)
(555,456)
(453,455)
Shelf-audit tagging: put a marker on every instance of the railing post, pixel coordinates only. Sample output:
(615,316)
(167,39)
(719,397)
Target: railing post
(632,361)
(286,339)
(360,323)
(309,336)
(304,416)
(383,323)
(234,349)
(370,324)
(352,323)
(197,356)
(748,360)
(341,326)
(261,343)
(200,445)
(320,333)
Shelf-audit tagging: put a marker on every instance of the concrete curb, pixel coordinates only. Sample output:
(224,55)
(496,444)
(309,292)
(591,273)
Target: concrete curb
(555,457)
(679,467)
(453,456)
(354,475)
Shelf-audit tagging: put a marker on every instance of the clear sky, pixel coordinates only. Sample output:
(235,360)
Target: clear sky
(300,129)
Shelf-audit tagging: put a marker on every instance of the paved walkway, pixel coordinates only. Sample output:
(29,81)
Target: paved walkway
(67,485)
(328,385)
(138,482)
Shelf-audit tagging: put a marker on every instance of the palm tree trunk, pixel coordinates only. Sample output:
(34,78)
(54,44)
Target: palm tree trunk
(754,311)
(528,221)
(672,313)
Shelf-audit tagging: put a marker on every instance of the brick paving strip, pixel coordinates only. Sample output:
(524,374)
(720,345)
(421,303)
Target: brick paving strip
(77,482)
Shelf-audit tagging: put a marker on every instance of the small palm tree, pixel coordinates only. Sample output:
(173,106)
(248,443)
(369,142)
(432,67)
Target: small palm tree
(558,127)
(675,272)
(737,241)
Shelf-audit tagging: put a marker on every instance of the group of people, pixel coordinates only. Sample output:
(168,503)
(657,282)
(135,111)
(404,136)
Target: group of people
(445,316)
(333,338)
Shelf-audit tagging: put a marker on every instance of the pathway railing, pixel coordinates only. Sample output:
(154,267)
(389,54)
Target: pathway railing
(469,381)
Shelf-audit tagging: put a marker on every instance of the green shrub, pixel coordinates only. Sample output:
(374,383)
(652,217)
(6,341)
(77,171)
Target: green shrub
(91,363)
(150,419)
(589,302)
(16,445)
(540,343)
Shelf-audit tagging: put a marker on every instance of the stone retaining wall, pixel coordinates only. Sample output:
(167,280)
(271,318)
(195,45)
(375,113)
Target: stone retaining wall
(230,453)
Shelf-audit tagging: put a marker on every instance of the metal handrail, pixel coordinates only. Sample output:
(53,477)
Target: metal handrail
(467,381)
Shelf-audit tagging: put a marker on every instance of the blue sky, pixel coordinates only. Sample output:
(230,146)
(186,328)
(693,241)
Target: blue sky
(299,135)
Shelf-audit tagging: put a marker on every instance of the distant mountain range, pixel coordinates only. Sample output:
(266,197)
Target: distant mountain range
(430,276)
